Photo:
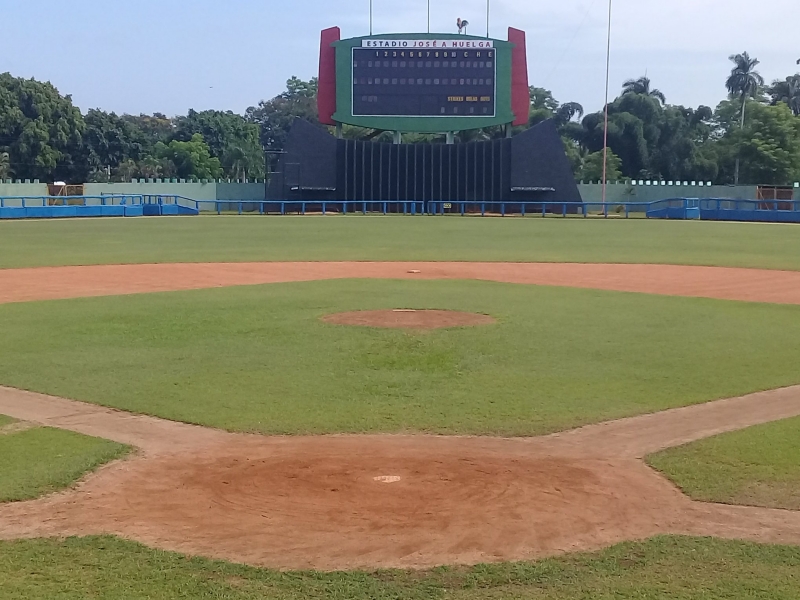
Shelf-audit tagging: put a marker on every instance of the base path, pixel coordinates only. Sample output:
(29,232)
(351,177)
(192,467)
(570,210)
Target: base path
(345,502)
(47,283)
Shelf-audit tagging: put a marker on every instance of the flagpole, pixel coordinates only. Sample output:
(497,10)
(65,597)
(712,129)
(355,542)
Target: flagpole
(605,129)
(370,17)
(487,18)
(429,16)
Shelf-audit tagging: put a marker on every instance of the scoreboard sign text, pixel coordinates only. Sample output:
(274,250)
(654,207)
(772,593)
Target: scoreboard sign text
(460,44)
(425,78)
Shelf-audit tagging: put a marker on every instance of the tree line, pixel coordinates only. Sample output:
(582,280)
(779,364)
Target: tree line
(751,136)
(44,136)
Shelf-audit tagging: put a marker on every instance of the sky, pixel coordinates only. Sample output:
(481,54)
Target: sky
(145,56)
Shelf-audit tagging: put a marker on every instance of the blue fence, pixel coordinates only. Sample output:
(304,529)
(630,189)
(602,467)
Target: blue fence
(775,211)
(285,207)
(50,207)
(721,209)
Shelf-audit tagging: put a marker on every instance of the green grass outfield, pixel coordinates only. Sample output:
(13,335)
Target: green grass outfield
(676,568)
(396,238)
(259,359)
(759,466)
(39,461)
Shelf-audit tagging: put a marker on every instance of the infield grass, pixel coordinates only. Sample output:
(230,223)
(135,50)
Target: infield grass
(677,568)
(39,461)
(4,420)
(259,358)
(759,466)
(396,238)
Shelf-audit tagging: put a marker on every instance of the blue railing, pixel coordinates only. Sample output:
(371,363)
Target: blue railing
(300,207)
(43,201)
(465,207)
(137,205)
(122,205)
(674,208)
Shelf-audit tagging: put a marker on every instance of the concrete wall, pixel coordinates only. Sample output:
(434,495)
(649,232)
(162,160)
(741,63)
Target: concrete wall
(208,192)
(241,191)
(625,192)
(22,189)
(195,191)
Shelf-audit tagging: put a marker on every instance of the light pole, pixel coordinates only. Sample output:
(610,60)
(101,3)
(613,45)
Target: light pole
(605,129)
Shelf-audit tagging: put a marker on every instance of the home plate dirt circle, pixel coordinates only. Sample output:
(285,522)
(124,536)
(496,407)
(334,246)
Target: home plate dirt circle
(407,318)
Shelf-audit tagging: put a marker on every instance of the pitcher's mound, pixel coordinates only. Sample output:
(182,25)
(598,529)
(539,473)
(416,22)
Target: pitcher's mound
(409,319)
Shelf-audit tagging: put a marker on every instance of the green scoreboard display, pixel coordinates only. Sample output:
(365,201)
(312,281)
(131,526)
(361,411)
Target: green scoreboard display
(424,83)
(421,82)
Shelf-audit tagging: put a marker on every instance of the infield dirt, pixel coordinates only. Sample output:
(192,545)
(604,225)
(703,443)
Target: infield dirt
(344,502)
(323,503)
(50,283)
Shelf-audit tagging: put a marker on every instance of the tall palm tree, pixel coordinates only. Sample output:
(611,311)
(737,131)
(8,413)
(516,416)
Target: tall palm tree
(787,91)
(235,160)
(745,82)
(568,111)
(642,86)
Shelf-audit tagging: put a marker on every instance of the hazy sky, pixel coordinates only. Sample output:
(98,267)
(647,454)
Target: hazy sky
(172,55)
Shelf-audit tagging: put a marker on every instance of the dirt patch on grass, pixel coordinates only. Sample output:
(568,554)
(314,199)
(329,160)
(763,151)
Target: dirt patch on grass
(409,319)
(16,427)
(345,502)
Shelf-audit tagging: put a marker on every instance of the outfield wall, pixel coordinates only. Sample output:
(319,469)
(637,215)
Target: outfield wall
(201,191)
(224,190)
(22,189)
(651,192)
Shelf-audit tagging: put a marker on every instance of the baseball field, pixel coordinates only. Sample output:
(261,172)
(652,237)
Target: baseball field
(399,407)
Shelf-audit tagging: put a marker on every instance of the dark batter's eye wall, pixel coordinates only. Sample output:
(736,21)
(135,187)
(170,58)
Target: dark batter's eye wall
(423,83)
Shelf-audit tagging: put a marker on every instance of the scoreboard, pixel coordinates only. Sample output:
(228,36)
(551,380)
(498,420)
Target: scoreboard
(425,83)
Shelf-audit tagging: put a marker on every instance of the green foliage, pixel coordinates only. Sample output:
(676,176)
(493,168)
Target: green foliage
(543,105)
(769,145)
(110,140)
(744,81)
(642,86)
(574,154)
(654,140)
(192,159)
(592,169)
(678,568)
(229,358)
(230,138)
(788,92)
(5,166)
(758,466)
(275,117)
(40,129)
(40,461)
(206,239)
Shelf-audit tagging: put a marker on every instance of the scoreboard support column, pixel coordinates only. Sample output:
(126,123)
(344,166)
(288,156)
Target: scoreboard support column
(398,137)
(451,138)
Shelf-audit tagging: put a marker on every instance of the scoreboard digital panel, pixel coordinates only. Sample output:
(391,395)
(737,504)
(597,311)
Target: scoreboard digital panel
(428,82)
